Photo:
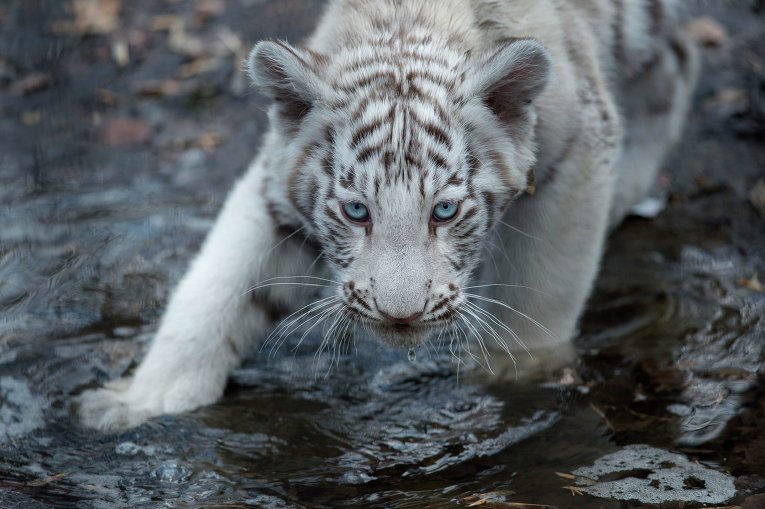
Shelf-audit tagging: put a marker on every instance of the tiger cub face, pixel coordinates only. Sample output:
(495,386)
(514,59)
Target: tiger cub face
(399,157)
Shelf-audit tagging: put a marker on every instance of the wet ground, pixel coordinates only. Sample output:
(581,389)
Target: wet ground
(122,126)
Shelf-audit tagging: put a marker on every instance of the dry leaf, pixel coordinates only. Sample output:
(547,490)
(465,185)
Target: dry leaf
(707,31)
(574,490)
(47,480)
(752,283)
(198,66)
(158,88)
(486,498)
(124,131)
(90,17)
(107,97)
(162,22)
(181,42)
(30,118)
(757,197)
(31,83)
(120,52)
(207,9)
(583,481)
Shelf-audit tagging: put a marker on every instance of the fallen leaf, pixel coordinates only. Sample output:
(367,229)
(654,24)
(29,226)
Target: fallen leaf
(107,97)
(47,480)
(486,498)
(603,416)
(30,118)
(208,9)
(729,102)
(159,88)
(162,22)
(124,131)
(757,197)
(120,52)
(580,479)
(198,66)
(569,377)
(208,141)
(707,31)
(574,490)
(31,83)
(90,17)
(181,42)
(752,283)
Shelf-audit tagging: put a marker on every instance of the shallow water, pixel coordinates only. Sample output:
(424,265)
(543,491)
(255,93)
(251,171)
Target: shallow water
(96,227)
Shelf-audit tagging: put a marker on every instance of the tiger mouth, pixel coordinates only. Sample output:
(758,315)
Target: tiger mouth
(401,335)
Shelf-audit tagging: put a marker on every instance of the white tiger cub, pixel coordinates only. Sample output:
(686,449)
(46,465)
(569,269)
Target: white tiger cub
(407,139)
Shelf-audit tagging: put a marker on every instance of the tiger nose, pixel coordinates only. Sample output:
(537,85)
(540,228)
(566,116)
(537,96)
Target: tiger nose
(400,320)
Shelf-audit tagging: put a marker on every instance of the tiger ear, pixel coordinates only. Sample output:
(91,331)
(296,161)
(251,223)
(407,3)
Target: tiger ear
(287,76)
(509,77)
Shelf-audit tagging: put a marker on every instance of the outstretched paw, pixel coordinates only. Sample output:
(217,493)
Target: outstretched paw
(109,408)
(127,402)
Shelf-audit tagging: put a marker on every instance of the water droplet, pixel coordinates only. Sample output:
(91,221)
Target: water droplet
(412,355)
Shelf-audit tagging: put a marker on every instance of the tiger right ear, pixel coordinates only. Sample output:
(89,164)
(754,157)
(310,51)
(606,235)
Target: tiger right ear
(287,76)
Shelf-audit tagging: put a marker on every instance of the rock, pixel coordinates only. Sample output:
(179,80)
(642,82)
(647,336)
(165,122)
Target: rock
(653,476)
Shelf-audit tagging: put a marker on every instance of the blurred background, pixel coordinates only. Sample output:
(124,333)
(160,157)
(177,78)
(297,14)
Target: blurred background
(122,126)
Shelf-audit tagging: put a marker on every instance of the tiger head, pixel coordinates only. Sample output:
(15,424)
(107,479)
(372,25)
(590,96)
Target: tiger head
(399,157)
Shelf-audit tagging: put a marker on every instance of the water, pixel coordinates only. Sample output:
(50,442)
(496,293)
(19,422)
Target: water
(95,233)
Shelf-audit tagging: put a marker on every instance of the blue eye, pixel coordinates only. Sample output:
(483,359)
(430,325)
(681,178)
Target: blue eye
(356,211)
(445,210)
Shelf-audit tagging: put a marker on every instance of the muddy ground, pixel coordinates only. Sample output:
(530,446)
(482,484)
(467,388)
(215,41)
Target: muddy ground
(122,126)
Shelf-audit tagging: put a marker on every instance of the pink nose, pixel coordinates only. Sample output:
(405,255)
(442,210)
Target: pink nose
(401,321)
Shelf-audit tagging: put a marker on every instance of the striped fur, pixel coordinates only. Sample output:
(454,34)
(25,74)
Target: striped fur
(401,105)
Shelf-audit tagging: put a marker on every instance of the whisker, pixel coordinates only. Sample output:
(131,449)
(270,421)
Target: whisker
(284,324)
(466,346)
(284,283)
(488,328)
(285,239)
(321,253)
(494,301)
(327,333)
(489,251)
(287,332)
(498,322)
(496,236)
(518,230)
(507,286)
(452,336)
(324,315)
(497,338)
(481,345)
